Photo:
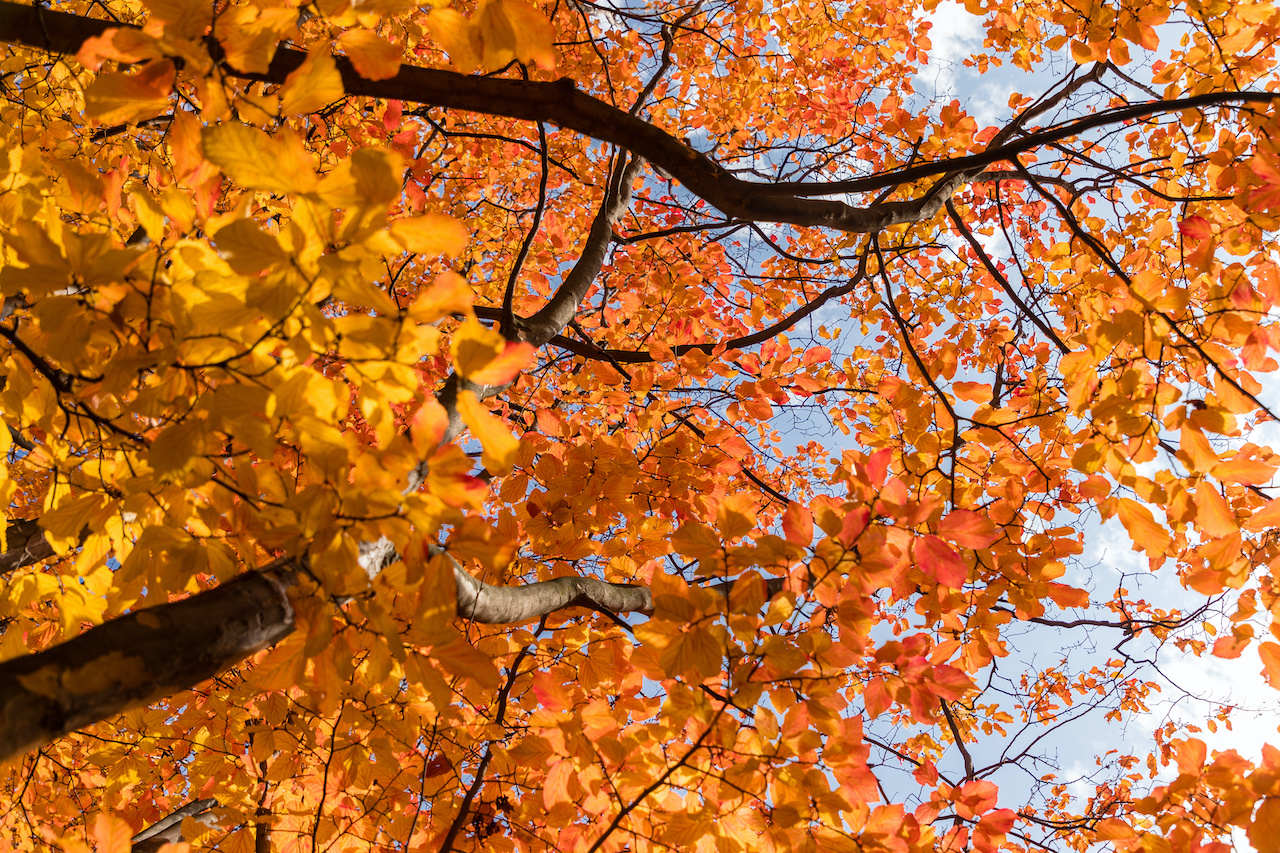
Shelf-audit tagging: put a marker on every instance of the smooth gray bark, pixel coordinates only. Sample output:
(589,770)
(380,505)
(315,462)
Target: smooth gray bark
(168,830)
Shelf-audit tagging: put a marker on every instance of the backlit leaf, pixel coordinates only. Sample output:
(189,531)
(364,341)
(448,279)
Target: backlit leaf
(313,85)
(374,57)
(120,97)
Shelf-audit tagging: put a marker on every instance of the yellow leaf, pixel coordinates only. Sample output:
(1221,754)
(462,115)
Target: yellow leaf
(486,357)
(257,161)
(474,346)
(458,37)
(64,524)
(248,249)
(431,234)
(499,444)
(119,98)
(1144,530)
(374,57)
(534,34)
(148,213)
(369,178)
(177,454)
(313,85)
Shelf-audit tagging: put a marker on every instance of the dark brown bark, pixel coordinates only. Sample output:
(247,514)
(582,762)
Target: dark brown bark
(26,545)
(139,657)
(561,103)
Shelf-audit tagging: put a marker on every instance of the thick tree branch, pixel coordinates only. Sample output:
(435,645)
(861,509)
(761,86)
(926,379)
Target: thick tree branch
(553,317)
(495,605)
(562,104)
(139,657)
(168,830)
(160,650)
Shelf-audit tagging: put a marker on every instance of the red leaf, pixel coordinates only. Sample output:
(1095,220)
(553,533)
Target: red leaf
(968,529)
(878,466)
(1195,228)
(939,561)
(437,766)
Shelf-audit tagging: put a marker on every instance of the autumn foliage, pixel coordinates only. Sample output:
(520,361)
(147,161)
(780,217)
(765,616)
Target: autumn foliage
(564,426)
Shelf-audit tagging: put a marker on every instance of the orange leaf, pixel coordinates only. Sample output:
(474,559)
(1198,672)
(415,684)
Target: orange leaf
(119,98)
(555,788)
(374,57)
(797,524)
(1144,530)
(448,294)
(973,392)
(1213,515)
(112,834)
(876,697)
(1265,518)
(1264,831)
(968,529)
(816,355)
(736,515)
(534,34)
(1246,468)
(696,541)
(458,37)
(1270,654)
(506,365)
(1195,228)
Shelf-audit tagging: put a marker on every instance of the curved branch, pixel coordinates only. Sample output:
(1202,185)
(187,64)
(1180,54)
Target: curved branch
(561,103)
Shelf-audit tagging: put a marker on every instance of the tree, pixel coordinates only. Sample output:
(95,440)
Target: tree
(557,426)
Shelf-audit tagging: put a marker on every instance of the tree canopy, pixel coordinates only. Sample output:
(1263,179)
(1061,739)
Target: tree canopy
(580,425)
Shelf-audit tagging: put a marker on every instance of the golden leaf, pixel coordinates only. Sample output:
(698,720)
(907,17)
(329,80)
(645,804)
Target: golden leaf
(257,161)
(313,85)
(499,444)
(431,234)
(119,98)
(374,57)
(458,37)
